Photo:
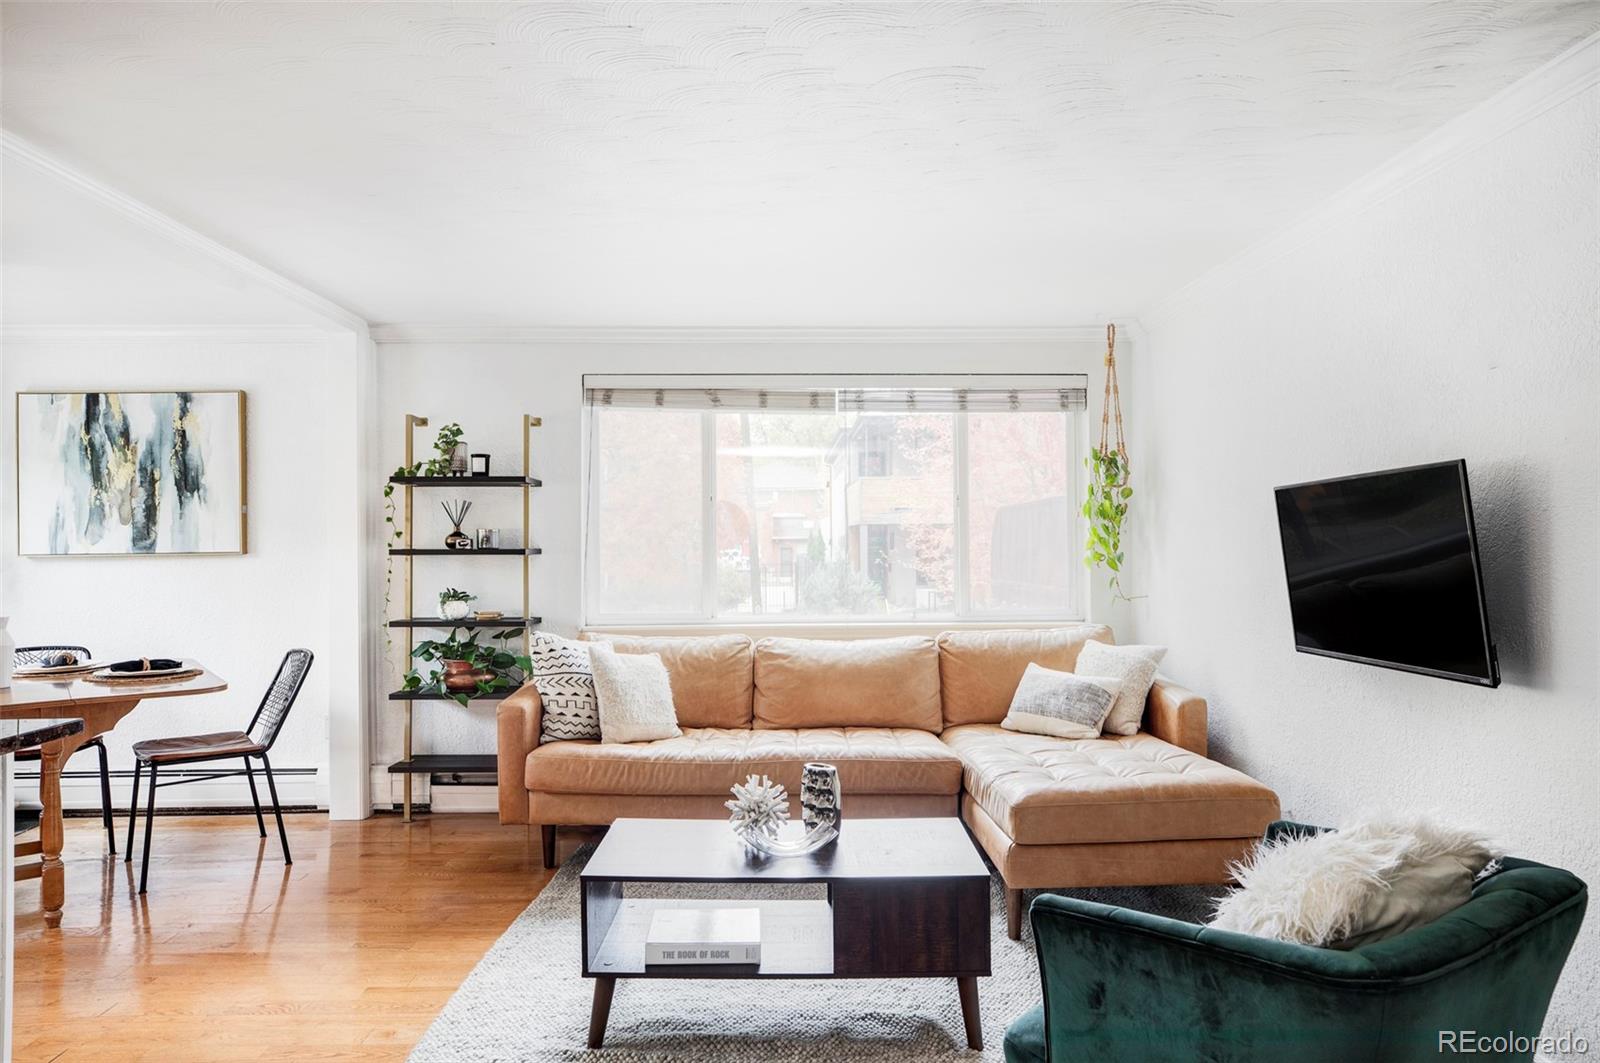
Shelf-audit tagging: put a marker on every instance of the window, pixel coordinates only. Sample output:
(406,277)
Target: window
(855,504)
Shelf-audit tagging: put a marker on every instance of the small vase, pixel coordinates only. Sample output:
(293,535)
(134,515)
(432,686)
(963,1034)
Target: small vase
(8,649)
(458,540)
(455,610)
(460,677)
(458,460)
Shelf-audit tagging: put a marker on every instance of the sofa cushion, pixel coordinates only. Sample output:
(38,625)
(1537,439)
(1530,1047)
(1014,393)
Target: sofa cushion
(979,670)
(712,679)
(709,760)
(856,683)
(1124,788)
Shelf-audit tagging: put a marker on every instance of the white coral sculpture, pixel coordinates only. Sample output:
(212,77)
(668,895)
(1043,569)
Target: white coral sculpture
(759,806)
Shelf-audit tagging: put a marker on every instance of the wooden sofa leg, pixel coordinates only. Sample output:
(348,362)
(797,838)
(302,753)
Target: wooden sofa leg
(1013,914)
(547,835)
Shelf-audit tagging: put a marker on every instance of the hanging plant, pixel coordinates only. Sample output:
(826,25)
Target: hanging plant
(1106,507)
(444,444)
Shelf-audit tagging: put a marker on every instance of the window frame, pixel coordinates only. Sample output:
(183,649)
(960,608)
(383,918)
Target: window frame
(1075,428)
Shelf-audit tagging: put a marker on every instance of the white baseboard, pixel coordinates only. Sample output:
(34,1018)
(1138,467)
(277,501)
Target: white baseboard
(83,792)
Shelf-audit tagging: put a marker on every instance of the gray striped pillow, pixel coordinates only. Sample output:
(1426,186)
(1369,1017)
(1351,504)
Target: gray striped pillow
(1060,704)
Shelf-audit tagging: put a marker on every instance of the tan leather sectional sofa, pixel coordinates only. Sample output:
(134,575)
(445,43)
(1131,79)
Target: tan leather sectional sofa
(913,725)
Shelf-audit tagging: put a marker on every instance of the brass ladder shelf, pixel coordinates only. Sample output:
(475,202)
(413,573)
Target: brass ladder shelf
(455,764)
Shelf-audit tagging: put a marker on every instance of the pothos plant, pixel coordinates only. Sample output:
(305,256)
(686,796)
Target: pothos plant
(439,465)
(444,444)
(503,670)
(1106,508)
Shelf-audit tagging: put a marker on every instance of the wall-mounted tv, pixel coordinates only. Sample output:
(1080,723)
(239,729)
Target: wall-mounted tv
(1383,569)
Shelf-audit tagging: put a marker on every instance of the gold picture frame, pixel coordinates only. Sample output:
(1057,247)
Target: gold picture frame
(43,478)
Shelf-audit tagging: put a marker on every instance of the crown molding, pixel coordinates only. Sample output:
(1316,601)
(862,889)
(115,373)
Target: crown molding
(1573,71)
(21,150)
(445,334)
(275,333)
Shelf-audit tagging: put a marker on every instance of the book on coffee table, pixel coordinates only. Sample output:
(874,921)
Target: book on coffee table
(703,935)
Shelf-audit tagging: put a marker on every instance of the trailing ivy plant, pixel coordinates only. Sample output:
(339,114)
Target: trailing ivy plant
(507,670)
(1106,508)
(438,465)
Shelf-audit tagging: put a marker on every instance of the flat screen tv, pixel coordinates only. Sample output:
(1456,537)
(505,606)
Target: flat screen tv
(1383,569)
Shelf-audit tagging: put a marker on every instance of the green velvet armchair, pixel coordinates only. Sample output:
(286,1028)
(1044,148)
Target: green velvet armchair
(1125,985)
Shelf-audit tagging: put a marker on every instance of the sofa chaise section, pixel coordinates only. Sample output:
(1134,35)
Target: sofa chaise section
(1144,809)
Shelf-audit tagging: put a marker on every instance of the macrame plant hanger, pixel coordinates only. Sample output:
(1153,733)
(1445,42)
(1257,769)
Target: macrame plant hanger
(1111,406)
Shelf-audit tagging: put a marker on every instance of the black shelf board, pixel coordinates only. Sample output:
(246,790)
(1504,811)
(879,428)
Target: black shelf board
(439,695)
(447,764)
(466,481)
(440,622)
(403,551)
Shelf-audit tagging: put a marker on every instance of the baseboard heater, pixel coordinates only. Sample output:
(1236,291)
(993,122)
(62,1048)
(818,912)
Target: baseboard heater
(93,775)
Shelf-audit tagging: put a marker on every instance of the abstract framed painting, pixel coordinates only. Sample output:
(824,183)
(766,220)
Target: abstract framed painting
(130,473)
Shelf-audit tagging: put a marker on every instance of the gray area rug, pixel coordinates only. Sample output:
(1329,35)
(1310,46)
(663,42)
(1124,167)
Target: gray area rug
(527,1001)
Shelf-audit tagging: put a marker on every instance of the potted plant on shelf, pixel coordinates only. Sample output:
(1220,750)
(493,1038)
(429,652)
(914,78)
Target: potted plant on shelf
(444,445)
(454,604)
(468,668)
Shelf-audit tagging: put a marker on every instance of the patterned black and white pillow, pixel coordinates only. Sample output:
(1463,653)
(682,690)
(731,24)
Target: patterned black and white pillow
(565,681)
(1060,704)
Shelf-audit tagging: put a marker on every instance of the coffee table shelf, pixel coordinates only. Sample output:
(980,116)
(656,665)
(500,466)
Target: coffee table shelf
(796,941)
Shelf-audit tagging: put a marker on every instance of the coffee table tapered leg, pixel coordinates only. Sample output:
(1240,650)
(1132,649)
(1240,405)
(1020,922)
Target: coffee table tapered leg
(967,988)
(600,1012)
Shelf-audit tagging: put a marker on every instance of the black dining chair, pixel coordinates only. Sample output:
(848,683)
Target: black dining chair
(253,741)
(23,656)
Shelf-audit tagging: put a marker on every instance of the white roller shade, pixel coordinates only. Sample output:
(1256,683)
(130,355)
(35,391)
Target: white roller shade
(1066,392)
(776,400)
(1069,397)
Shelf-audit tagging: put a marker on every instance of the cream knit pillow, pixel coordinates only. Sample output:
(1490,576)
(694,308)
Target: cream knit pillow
(1136,667)
(635,696)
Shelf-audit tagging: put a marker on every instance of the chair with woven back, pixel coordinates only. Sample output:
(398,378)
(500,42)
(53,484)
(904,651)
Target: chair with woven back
(25,656)
(255,741)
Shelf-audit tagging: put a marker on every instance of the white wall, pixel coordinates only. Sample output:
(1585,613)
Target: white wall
(1455,317)
(487,386)
(237,614)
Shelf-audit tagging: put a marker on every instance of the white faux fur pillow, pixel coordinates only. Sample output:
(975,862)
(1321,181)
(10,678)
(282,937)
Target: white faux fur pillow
(1363,883)
(634,694)
(1135,669)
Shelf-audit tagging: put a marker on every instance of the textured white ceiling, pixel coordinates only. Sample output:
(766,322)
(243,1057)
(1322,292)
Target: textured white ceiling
(757,163)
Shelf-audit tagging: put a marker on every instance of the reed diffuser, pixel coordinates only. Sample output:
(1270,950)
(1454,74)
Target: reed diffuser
(456,509)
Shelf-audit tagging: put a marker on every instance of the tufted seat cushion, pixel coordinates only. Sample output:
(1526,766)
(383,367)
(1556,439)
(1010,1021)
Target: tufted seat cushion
(709,760)
(1123,788)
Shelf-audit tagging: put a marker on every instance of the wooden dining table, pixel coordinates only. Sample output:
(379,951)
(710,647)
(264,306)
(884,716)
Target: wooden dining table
(100,706)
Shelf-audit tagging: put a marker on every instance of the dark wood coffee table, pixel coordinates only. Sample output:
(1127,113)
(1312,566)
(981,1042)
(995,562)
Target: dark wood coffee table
(907,898)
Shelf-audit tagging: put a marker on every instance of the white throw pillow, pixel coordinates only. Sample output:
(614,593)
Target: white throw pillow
(635,696)
(1135,667)
(1353,886)
(565,682)
(1062,704)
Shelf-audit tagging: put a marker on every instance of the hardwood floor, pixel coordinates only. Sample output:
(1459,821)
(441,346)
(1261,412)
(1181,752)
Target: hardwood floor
(346,955)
